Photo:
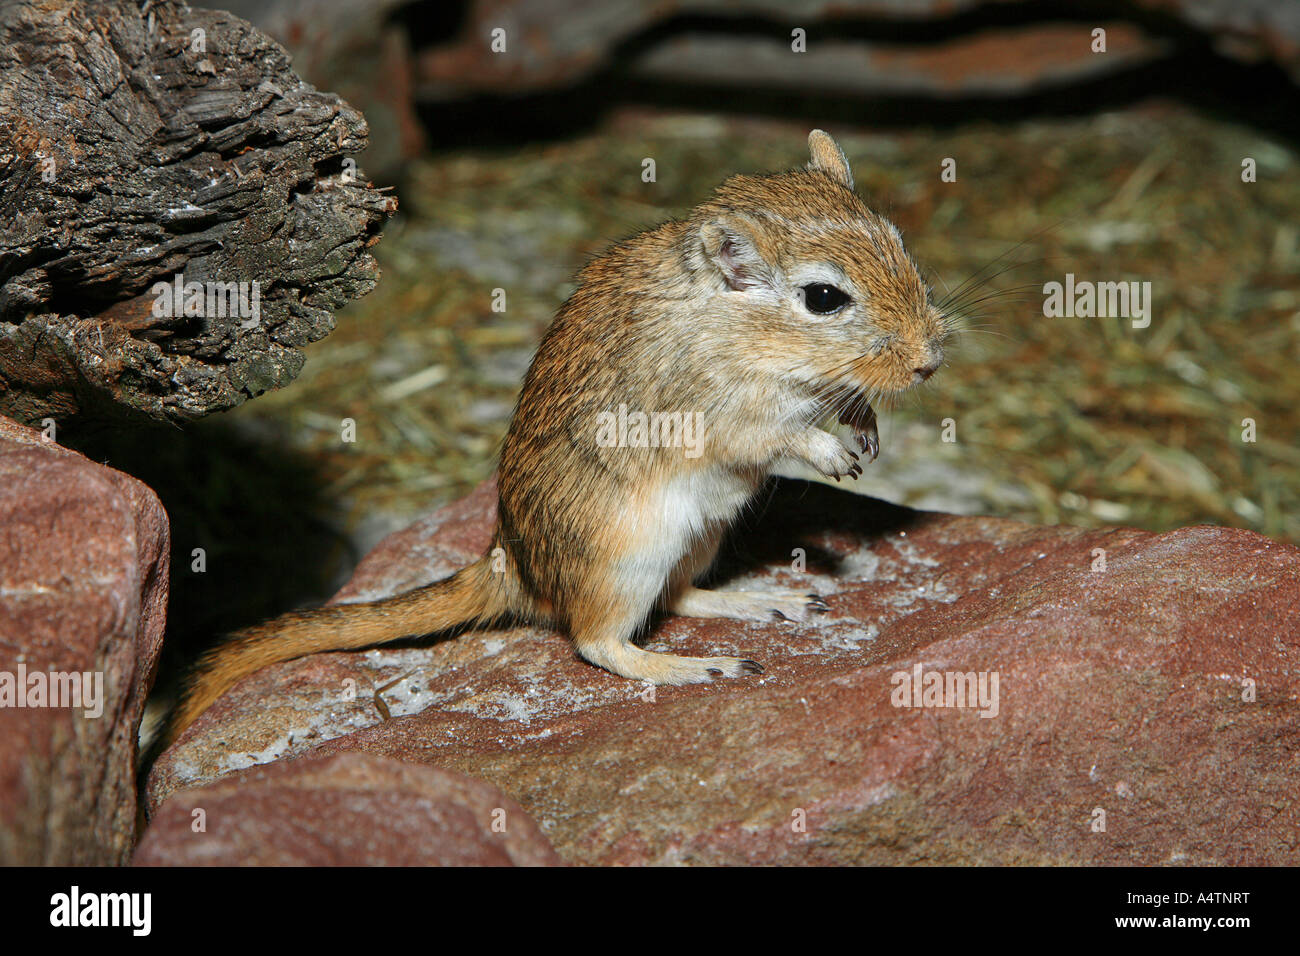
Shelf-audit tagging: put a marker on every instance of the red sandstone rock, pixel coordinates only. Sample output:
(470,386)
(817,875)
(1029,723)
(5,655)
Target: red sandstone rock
(1162,691)
(929,48)
(83,588)
(692,41)
(345,810)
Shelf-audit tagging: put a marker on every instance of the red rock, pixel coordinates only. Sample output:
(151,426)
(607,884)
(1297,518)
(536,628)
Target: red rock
(1119,689)
(979,60)
(83,587)
(985,55)
(936,48)
(345,810)
(1003,62)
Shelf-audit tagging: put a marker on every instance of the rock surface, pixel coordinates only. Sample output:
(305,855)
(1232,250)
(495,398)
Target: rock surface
(926,47)
(83,588)
(871,46)
(345,810)
(881,47)
(1147,706)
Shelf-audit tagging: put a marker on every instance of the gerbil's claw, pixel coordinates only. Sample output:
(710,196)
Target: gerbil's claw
(869,442)
(865,431)
(746,667)
(816,603)
(828,454)
(869,439)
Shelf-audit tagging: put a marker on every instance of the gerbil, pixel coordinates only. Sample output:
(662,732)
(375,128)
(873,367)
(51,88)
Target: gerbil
(778,304)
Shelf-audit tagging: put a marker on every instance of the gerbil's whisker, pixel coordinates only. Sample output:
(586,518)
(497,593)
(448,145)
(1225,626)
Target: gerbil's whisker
(1021,293)
(975,275)
(956,301)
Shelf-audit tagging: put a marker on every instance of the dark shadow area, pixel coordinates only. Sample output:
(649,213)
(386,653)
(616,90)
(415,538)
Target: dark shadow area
(257,510)
(1191,72)
(432,22)
(789,513)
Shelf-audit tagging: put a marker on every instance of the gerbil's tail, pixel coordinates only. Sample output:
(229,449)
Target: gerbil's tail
(474,594)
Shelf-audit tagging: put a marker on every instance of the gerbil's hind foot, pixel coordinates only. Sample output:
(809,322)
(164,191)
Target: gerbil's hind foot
(602,633)
(779,603)
(654,667)
(628,660)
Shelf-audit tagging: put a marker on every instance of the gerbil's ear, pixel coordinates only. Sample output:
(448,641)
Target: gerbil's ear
(828,157)
(729,244)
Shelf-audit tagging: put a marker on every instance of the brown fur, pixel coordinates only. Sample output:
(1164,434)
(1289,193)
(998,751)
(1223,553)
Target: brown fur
(701,316)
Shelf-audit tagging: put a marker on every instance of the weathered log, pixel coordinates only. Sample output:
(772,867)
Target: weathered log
(150,146)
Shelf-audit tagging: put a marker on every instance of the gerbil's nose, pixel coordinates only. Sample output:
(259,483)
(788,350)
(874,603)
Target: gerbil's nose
(932,359)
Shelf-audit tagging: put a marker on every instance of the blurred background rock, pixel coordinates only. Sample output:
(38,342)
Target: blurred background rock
(512,168)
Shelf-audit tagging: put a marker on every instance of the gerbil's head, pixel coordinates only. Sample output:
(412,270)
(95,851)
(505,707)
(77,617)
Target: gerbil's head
(816,287)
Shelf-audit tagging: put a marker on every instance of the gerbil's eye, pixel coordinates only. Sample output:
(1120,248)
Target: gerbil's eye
(823,299)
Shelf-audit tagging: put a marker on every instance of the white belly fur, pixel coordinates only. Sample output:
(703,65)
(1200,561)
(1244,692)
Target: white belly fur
(685,510)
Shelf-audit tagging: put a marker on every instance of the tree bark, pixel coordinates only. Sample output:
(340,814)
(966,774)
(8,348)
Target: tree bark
(150,146)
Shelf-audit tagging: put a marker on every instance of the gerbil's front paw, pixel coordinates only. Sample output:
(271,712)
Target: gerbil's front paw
(828,455)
